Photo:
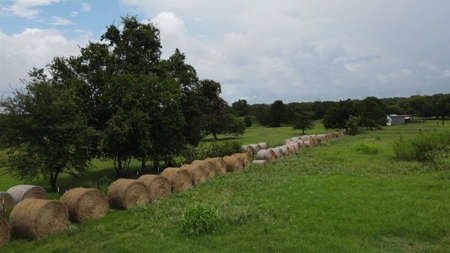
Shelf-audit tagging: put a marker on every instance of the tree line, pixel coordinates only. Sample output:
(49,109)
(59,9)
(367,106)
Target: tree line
(370,112)
(117,100)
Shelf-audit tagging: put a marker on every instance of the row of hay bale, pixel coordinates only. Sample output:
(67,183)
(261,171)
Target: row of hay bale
(34,216)
(264,154)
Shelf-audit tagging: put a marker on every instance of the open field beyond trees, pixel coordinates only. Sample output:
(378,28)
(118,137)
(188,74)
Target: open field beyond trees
(336,197)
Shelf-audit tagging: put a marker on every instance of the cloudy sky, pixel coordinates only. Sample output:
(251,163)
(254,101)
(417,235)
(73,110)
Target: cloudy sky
(261,51)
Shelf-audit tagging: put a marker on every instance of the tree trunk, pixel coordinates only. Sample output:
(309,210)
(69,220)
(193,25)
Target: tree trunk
(215,136)
(53,178)
(119,167)
(143,167)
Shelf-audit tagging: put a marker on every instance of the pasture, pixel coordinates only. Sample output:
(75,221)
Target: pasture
(340,196)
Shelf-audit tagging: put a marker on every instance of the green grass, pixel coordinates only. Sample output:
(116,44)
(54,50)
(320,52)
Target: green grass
(331,198)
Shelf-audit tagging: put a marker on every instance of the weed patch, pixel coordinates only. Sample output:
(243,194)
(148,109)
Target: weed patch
(368,148)
(200,219)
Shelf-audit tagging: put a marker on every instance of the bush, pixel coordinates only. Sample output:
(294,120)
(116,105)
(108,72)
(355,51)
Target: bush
(203,218)
(368,148)
(214,149)
(422,146)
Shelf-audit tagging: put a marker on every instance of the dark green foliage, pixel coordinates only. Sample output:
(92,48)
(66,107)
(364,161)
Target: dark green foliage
(372,114)
(240,108)
(277,113)
(337,115)
(46,132)
(248,121)
(302,118)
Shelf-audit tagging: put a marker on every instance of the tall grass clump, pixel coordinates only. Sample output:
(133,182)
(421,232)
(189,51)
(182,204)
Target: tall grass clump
(368,148)
(418,147)
(200,219)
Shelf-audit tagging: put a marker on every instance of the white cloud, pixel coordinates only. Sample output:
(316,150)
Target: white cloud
(60,21)
(32,48)
(27,8)
(86,7)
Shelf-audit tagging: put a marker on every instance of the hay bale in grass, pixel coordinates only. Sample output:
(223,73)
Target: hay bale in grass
(180,179)
(7,201)
(35,218)
(263,145)
(247,149)
(244,157)
(266,154)
(256,148)
(233,163)
(127,193)
(4,231)
(308,144)
(259,162)
(158,186)
(220,167)
(293,149)
(205,166)
(198,174)
(286,150)
(85,204)
(278,152)
(24,191)
(295,145)
(312,141)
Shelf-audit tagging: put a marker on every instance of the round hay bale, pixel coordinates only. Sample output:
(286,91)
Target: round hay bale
(24,191)
(292,148)
(256,148)
(259,162)
(295,145)
(158,186)
(126,193)
(206,166)
(198,173)
(4,231)
(233,164)
(286,150)
(7,202)
(35,218)
(264,145)
(308,144)
(180,179)
(278,152)
(220,167)
(245,158)
(312,141)
(266,154)
(247,149)
(85,204)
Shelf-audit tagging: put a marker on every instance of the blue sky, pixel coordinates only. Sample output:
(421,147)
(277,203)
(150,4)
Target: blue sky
(286,50)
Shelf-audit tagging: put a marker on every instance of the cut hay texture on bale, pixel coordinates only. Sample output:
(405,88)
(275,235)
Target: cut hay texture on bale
(259,162)
(256,148)
(205,166)
(286,150)
(180,179)
(35,218)
(266,154)
(23,191)
(158,186)
(233,163)
(85,204)
(247,149)
(199,175)
(244,157)
(278,152)
(263,145)
(126,193)
(7,202)
(220,167)
(4,231)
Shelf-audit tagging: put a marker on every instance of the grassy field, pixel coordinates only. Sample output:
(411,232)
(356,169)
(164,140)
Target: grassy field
(335,197)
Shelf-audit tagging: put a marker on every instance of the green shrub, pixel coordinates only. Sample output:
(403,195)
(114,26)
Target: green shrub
(205,150)
(439,159)
(419,147)
(368,148)
(199,219)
